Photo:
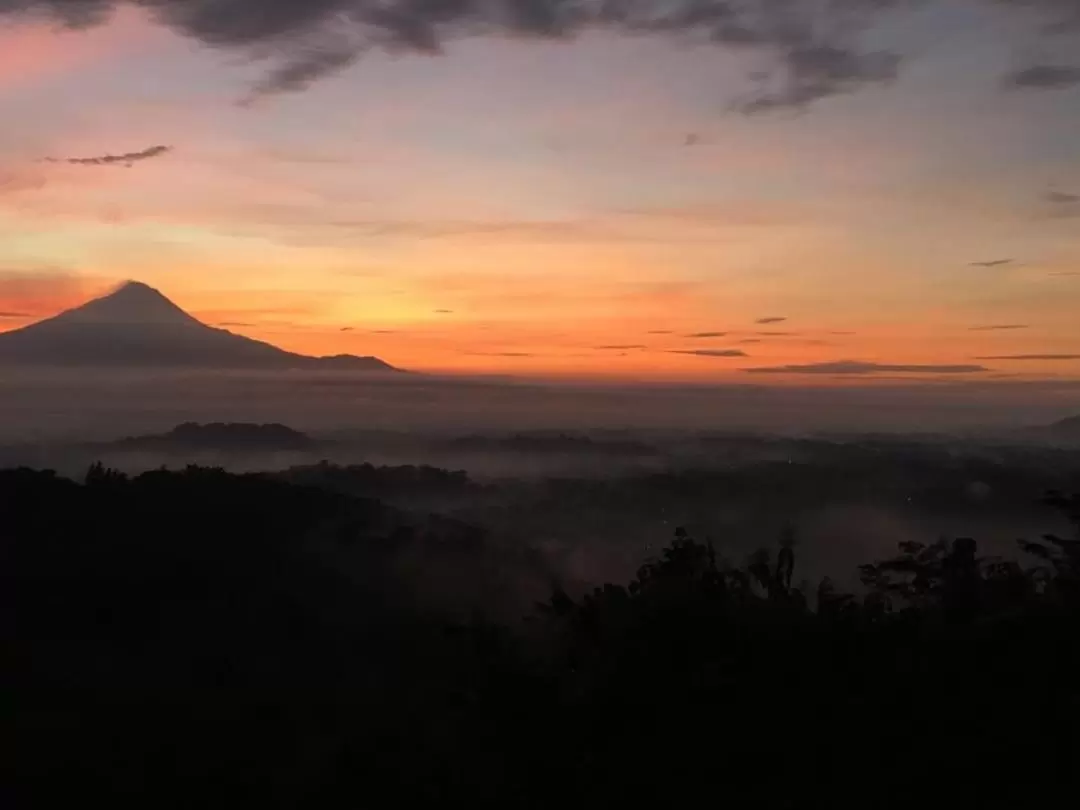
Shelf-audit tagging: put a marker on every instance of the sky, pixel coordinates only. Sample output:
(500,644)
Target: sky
(816,192)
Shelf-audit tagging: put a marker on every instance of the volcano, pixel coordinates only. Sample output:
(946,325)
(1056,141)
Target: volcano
(138,327)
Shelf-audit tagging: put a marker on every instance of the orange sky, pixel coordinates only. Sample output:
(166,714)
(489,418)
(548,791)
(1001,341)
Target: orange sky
(540,209)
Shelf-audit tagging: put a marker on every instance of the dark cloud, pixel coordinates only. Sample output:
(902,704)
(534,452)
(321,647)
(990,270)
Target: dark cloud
(859,367)
(812,71)
(996,327)
(813,50)
(384,331)
(707,334)
(993,263)
(1044,77)
(1030,357)
(771,319)
(777,334)
(814,47)
(659,332)
(750,340)
(14,314)
(1062,204)
(305,69)
(125,159)
(710,352)
(235,323)
(623,346)
(1061,198)
(346,329)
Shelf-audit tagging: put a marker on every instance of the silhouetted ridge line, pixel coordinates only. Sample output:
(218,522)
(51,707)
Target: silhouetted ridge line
(137,326)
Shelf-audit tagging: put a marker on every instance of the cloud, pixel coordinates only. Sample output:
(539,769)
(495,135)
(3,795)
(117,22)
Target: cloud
(993,263)
(384,331)
(812,51)
(5,314)
(125,159)
(1066,273)
(1030,357)
(346,329)
(563,231)
(812,71)
(777,334)
(750,340)
(772,319)
(814,48)
(706,334)
(1044,77)
(501,354)
(306,68)
(235,323)
(1061,198)
(623,346)
(660,332)
(1062,204)
(43,292)
(19,179)
(443,311)
(860,367)
(710,352)
(995,327)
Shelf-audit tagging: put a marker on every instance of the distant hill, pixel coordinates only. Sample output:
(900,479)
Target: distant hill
(235,437)
(1068,428)
(136,326)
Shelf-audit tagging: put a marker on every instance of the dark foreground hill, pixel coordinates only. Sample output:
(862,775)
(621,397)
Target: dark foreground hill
(200,639)
(138,327)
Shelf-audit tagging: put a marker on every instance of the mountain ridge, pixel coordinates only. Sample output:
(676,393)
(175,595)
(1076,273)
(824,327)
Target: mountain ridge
(138,326)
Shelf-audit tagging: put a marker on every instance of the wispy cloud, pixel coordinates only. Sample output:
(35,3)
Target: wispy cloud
(710,352)
(4,314)
(125,159)
(1030,357)
(623,346)
(43,292)
(660,332)
(998,327)
(1044,77)
(1061,198)
(771,319)
(993,263)
(706,334)
(444,312)
(1062,204)
(235,323)
(860,367)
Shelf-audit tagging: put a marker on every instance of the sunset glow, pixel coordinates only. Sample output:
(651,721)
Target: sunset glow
(593,207)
